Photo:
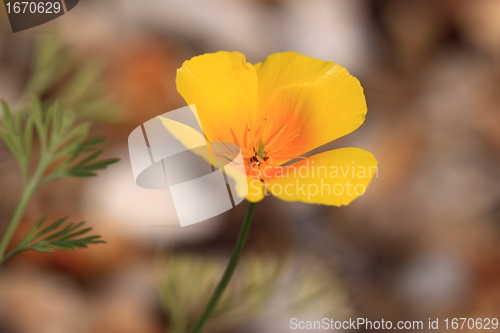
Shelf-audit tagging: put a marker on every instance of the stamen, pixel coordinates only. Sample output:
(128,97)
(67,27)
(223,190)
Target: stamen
(246,135)
(283,145)
(277,134)
(234,137)
(245,151)
(289,157)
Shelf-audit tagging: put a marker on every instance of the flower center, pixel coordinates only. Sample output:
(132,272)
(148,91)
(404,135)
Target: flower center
(273,148)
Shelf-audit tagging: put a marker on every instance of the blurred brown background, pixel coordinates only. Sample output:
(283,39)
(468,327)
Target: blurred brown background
(423,242)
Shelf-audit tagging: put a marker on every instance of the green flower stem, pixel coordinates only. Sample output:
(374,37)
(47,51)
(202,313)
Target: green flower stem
(231,266)
(26,196)
(18,214)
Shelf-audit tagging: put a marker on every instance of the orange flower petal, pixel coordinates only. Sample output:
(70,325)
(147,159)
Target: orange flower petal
(305,103)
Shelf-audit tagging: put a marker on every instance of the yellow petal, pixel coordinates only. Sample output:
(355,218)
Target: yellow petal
(223,86)
(335,177)
(305,103)
(185,134)
(255,190)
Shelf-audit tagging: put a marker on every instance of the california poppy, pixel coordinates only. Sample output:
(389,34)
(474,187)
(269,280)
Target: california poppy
(278,110)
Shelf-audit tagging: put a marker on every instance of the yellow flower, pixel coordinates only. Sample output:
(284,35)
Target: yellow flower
(277,111)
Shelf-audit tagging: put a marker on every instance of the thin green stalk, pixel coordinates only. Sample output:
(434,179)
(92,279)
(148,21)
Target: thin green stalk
(231,266)
(26,196)
(16,218)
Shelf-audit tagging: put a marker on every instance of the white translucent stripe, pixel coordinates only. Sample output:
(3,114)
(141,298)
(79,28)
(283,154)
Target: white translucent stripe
(201,199)
(194,173)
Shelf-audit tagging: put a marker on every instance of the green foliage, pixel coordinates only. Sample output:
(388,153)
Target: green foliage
(68,88)
(186,282)
(62,141)
(65,152)
(17,135)
(60,76)
(53,237)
